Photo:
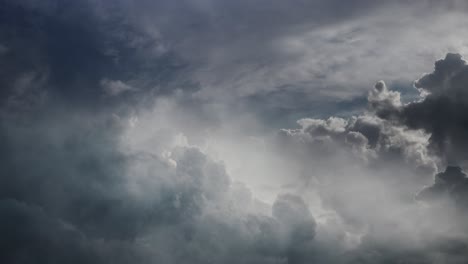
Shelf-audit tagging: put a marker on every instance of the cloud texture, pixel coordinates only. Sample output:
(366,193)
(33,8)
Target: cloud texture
(147,132)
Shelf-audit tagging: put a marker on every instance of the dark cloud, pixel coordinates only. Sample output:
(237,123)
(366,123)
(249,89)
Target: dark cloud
(440,113)
(29,235)
(244,49)
(397,136)
(370,139)
(364,169)
(451,184)
(70,191)
(84,182)
(77,49)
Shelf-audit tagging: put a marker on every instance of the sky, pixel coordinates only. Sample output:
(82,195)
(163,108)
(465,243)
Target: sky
(218,131)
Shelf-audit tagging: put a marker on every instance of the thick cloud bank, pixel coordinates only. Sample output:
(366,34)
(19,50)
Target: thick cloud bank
(69,194)
(118,143)
(441,111)
(371,169)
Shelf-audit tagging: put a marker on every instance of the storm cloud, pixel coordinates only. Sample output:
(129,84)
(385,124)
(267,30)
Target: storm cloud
(207,131)
(441,110)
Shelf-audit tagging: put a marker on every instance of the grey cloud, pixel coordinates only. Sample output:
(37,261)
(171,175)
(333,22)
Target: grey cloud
(244,49)
(364,169)
(427,133)
(76,54)
(293,213)
(383,101)
(440,80)
(71,189)
(370,138)
(451,184)
(82,196)
(29,235)
(116,87)
(223,50)
(440,113)
(442,238)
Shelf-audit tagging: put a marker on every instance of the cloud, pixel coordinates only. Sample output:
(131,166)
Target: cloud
(383,101)
(369,138)
(172,166)
(311,53)
(451,184)
(383,155)
(100,200)
(113,88)
(293,213)
(229,61)
(30,235)
(247,49)
(440,112)
(78,56)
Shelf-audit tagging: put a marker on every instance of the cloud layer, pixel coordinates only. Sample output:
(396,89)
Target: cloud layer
(146,132)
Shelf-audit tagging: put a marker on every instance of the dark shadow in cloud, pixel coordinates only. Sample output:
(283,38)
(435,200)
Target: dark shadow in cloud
(452,184)
(75,49)
(442,113)
(297,223)
(69,191)
(29,235)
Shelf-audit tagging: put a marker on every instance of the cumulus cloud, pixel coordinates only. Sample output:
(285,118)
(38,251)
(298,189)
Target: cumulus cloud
(403,138)
(172,166)
(370,139)
(452,183)
(95,198)
(439,112)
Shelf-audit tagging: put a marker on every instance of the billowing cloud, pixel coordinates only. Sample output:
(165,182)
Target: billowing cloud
(91,201)
(141,132)
(441,110)
(408,139)
(452,184)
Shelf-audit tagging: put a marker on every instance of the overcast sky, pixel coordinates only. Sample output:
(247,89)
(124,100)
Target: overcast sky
(219,131)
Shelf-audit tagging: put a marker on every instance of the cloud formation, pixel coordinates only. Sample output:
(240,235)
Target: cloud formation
(141,132)
(452,184)
(87,200)
(441,110)
(409,139)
